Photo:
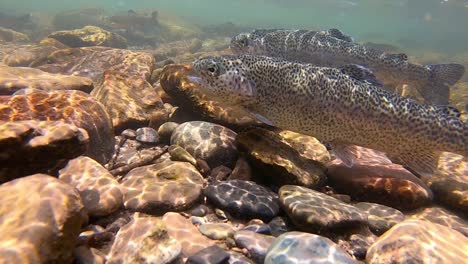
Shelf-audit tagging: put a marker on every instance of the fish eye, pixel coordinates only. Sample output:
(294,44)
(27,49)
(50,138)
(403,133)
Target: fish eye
(212,69)
(243,41)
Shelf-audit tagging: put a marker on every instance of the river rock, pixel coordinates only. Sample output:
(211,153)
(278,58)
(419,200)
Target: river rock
(13,79)
(129,100)
(92,62)
(416,241)
(217,231)
(381,217)
(441,216)
(186,233)
(373,178)
(83,254)
(99,190)
(144,240)
(21,55)
(73,107)
(313,211)
(164,186)
(89,36)
(243,199)
(298,247)
(41,219)
(9,35)
(38,146)
(211,142)
(256,244)
(209,255)
(285,157)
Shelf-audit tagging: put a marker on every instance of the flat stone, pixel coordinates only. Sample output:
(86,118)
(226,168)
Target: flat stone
(208,141)
(99,190)
(284,157)
(381,217)
(217,231)
(373,178)
(243,199)
(313,211)
(21,55)
(38,146)
(298,248)
(9,35)
(89,36)
(417,241)
(186,233)
(13,79)
(144,240)
(40,218)
(72,107)
(441,216)
(162,187)
(256,244)
(129,100)
(210,255)
(147,135)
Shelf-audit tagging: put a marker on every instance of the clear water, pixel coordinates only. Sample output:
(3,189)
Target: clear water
(437,25)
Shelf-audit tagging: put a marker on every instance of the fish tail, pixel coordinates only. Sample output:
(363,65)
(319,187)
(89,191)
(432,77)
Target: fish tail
(437,90)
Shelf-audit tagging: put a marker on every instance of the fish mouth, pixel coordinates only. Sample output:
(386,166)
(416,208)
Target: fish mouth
(195,79)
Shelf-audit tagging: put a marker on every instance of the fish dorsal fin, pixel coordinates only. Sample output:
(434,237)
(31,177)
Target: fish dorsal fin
(361,73)
(448,111)
(396,56)
(336,33)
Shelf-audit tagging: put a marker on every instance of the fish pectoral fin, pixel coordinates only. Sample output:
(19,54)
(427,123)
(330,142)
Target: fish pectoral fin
(346,153)
(361,73)
(336,33)
(261,118)
(422,163)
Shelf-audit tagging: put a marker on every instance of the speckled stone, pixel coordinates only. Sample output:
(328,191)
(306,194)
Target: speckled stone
(284,157)
(441,216)
(144,240)
(36,146)
(162,187)
(211,142)
(13,79)
(147,135)
(417,241)
(313,211)
(256,244)
(209,255)
(217,231)
(298,248)
(99,190)
(186,233)
(72,107)
(89,36)
(41,218)
(243,199)
(129,99)
(373,178)
(381,217)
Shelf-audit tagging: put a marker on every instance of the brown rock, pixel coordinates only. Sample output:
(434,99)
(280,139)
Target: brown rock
(144,240)
(373,178)
(284,157)
(40,220)
(24,55)
(162,187)
(32,146)
(416,241)
(89,36)
(99,190)
(13,79)
(91,62)
(73,107)
(441,216)
(84,254)
(9,35)
(129,100)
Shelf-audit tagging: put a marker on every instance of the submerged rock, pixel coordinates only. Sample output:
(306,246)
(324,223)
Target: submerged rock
(380,217)
(144,240)
(416,241)
(89,36)
(31,146)
(302,248)
(441,216)
(209,255)
(41,219)
(256,244)
(16,55)
(9,35)
(285,157)
(13,79)
(72,107)
(313,211)
(210,142)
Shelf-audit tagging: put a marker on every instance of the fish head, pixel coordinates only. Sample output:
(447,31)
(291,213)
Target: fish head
(224,79)
(242,43)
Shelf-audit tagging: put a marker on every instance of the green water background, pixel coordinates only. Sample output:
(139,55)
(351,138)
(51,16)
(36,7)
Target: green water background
(438,25)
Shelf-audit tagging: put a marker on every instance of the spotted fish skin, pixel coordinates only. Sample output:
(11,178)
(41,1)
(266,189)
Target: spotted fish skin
(333,107)
(332,48)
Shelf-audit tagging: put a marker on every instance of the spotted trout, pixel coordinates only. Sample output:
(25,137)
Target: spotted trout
(332,48)
(338,106)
